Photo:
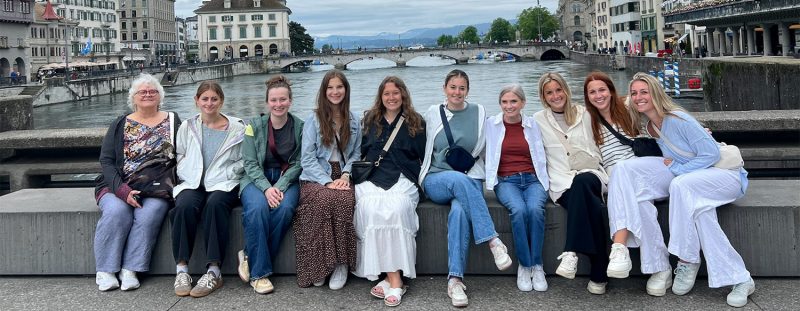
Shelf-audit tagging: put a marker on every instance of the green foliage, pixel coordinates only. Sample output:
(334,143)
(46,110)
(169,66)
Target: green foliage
(501,31)
(469,35)
(301,41)
(530,20)
(445,41)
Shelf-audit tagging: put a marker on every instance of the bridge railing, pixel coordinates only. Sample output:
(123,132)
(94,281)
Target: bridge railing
(725,9)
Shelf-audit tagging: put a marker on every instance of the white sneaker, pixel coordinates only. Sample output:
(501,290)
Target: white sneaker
(500,253)
(106,281)
(619,263)
(338,277)
(685,274)
(658,283)
(455,290)
(539,282)
(524,278)
(129,280)
(596,288)
(568,266)
(738,296)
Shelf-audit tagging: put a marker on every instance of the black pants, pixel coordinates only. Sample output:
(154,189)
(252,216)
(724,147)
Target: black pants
(214,209)
(587,225)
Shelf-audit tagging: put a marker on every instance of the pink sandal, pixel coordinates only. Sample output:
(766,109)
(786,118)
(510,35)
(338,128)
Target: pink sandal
(379,290)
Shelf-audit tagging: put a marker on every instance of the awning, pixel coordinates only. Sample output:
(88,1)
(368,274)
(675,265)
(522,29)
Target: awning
(135,58)
(243,50)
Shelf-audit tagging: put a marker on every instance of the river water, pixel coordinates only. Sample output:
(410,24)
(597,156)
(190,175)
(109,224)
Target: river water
(245,95)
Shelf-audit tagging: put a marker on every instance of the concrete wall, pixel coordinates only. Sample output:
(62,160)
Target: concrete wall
(16,113)
(751,86)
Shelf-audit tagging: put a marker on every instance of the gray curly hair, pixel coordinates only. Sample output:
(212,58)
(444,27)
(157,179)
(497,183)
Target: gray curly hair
(141,80)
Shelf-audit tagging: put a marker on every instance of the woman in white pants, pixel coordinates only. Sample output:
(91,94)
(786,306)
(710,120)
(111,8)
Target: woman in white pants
(695,189)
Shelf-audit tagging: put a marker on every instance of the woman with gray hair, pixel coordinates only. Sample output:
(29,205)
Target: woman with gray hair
(129,222)
(516,169)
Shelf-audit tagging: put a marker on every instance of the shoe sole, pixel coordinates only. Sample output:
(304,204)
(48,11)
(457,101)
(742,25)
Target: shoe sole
(108,289)
(208,293)
(182,294)
(129,288)
(659,292)
(682,293)
(459,304)
(504,265)
(618,274)
(265,292)
(566,274)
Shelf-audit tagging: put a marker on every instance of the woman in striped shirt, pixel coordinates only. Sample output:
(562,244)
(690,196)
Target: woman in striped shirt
(603,102)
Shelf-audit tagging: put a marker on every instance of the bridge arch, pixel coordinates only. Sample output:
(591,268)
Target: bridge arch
(552,55)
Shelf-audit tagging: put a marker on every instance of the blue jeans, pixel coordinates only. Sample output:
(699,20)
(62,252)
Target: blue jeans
(524,197)
(264,228)
(467,206)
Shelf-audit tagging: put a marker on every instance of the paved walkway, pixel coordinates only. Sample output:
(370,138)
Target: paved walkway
(425,293)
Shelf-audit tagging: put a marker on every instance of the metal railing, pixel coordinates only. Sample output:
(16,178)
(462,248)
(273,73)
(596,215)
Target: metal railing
(9,81)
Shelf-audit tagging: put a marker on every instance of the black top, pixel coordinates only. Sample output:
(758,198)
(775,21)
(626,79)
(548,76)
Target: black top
(284,142)
(404,156)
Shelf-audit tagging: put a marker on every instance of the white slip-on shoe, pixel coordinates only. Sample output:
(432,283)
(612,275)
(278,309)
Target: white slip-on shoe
(338,277)
(106,281)
(129,280)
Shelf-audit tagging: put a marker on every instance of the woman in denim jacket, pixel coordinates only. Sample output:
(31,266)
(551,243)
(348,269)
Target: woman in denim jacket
(323,226)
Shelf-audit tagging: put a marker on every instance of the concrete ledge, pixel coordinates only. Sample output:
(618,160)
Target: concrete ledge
(53,138)
(51,231)
(750,121)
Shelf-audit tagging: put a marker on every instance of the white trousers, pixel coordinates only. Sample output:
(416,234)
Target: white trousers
(693,223)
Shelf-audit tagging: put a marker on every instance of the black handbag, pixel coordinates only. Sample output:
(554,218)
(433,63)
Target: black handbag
(456,156)
(642,146)
(361,170)
(156,176)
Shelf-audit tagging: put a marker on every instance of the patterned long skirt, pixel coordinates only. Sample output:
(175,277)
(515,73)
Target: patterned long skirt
(323,230)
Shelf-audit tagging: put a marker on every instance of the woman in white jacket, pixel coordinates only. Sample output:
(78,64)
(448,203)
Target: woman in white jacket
(576,179)
(209,168)
(516,169)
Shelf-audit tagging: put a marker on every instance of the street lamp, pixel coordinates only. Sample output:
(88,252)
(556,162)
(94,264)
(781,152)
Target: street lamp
(538,19)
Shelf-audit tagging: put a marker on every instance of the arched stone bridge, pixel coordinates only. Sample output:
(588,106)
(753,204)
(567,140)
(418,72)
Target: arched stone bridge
(537,51)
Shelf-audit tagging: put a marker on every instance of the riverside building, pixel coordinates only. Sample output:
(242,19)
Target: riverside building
(229,29)
(15,19)
(147,29)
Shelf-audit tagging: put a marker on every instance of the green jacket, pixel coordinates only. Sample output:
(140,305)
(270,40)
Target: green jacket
(254,153)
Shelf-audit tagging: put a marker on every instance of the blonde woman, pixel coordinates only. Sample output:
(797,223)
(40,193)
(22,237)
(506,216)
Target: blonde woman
(576,179)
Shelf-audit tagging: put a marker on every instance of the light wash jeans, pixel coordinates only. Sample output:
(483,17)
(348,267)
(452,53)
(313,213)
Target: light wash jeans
(524,197)
(264,228)
(125,236)
(467,207)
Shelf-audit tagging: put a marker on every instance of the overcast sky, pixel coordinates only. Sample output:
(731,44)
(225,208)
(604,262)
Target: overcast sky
(369,17)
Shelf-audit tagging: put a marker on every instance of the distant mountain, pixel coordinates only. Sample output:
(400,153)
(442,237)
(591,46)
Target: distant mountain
(424,36)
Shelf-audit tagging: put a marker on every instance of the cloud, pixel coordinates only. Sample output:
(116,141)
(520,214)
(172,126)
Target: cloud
(369,17)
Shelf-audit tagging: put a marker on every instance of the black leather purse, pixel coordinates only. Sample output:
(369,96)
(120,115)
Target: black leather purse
(642,146)
(456,156)
(361,170)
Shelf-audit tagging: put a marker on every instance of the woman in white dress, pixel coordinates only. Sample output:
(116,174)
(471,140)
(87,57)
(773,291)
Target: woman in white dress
(386,220)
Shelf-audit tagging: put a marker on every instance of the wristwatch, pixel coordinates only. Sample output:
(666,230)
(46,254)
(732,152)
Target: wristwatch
(346,175)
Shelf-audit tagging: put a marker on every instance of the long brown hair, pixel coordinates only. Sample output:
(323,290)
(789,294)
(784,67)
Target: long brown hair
(276,82)
(372,117)
(619,113)
(325,111)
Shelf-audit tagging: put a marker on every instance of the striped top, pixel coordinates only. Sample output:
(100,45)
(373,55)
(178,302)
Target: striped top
(612,150)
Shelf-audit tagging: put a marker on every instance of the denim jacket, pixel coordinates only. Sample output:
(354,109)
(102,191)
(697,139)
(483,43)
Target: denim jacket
(315,155)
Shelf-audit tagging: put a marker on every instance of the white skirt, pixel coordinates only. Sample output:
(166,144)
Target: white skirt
(386,226)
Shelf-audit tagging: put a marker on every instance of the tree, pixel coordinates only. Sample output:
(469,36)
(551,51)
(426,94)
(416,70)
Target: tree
(445,41)
(469,35)
(301,41)
(501,30)
(532,19)
(326,48)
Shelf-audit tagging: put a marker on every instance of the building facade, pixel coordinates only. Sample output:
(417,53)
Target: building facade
(576,20)
(230,29)
(625,25)
(147,28)
(192,45)
(48,39)
(602,24)
(652,27)
(97,26)
(15,20)
(180,39)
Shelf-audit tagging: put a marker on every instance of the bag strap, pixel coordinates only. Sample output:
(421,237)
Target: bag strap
(397,125)
(622,139)
(172,128)
(336,137)
(273,148)
(669,144)
(446,127)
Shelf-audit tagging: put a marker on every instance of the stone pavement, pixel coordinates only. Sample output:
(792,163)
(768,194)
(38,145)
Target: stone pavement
(425,293)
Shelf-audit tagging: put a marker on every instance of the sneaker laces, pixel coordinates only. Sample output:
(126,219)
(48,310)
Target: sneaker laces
(741,288)
(183,279)
(681,272)
(207,280)
(617,252)
(567,257)
(499,249)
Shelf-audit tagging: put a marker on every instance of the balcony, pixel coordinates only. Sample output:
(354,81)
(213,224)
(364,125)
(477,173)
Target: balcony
(704,13)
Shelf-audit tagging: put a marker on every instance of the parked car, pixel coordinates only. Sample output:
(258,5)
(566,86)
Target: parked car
(416,47)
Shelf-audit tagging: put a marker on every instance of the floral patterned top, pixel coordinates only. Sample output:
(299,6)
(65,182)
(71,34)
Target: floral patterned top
(139,140)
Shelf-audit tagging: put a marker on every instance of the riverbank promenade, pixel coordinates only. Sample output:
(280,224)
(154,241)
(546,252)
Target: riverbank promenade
(427,292)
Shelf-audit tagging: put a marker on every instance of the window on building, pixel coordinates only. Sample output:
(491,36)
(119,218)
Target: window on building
(212,19)
(212,33)
(257,3)
(25,6)
(273,31)
(257,17)
(8,5)
(257,31)
(577,20)
(133,13)
(144,24)
(576,8)
(242,32)
(133,24)
(242,17)
(271,16)
(135,36)
(144,35)
(123,14)
(227,33)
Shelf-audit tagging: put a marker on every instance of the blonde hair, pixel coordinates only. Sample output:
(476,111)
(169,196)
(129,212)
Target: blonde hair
(570,112)
(661,101)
